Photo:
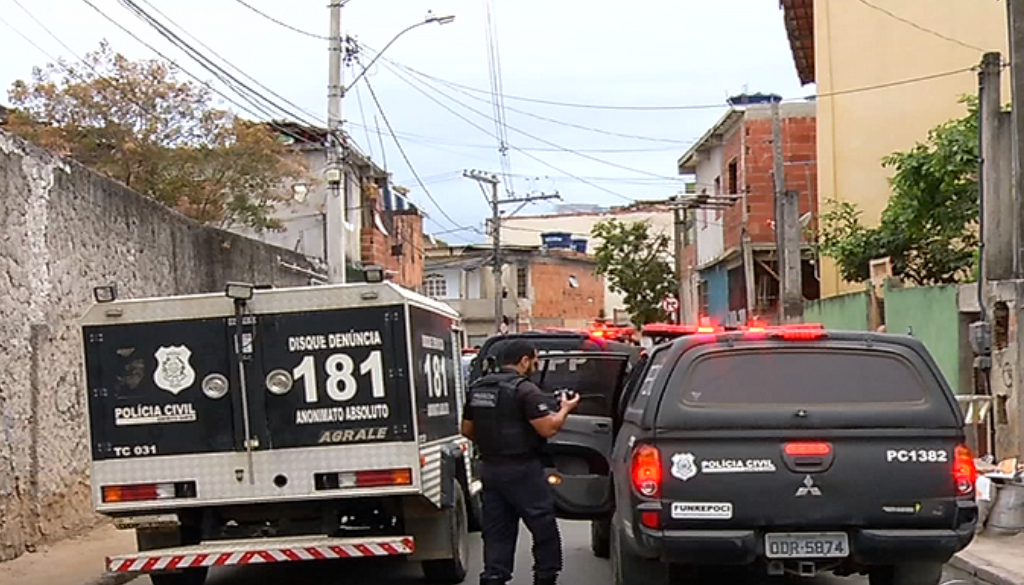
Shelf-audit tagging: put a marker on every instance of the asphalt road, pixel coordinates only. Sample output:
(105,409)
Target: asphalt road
(581,568)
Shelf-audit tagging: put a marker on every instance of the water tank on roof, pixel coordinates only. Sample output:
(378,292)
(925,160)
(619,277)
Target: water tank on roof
(557,240)
(579,245)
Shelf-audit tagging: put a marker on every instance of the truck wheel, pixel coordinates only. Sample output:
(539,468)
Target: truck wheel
(600,537)
(907,574)
(630,569)
(453,570)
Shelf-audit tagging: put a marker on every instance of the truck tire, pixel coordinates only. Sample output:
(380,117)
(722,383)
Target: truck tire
(600,537)
(907,574)
(453,570)
(156,540)
(630,569)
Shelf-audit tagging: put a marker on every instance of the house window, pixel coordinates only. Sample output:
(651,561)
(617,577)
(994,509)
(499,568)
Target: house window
(435,286)
(522,289)
(734,177)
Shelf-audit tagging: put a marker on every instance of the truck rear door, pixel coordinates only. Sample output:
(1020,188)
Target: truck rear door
(812,436)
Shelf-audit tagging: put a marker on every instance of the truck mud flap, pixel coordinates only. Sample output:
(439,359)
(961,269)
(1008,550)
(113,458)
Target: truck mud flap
(278,550)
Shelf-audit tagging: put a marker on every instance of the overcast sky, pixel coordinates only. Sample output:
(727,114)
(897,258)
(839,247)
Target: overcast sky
(642,53)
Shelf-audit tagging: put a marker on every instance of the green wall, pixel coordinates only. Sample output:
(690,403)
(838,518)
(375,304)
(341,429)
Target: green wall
(846,312)
(932,314)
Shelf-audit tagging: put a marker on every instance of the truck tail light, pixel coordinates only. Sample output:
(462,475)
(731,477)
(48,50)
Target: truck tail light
(965,473)
(646,471)
(148,492)
(363,479)
(808,449)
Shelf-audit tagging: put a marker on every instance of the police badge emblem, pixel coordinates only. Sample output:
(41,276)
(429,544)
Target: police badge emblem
(173,371)
(684,466)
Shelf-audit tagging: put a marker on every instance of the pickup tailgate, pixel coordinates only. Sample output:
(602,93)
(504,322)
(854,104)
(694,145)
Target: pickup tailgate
(813,437)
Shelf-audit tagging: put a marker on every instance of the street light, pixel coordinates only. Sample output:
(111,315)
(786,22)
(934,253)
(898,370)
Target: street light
(430,19)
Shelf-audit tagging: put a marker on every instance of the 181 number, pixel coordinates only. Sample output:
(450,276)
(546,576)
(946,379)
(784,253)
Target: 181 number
(342,385)
(436,369)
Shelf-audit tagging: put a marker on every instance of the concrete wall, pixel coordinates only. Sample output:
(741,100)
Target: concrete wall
(931,314)
(846,312)
(65,230)
(856,47)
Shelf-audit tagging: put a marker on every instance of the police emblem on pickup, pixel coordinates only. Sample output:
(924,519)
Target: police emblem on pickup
(684,466)
(173,371)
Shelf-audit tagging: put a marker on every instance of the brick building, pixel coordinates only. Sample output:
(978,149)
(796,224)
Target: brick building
(392,238)
(540,288)
(735,158)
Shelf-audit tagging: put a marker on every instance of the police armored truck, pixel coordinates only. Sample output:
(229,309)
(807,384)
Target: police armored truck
(273,426)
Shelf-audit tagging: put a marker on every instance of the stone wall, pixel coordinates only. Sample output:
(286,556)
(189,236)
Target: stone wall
(66,230)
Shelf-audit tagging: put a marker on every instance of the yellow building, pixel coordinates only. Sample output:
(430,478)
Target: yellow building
(887,71)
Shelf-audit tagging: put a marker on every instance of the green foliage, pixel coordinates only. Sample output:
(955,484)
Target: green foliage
(637,265)
(929,227)
(136,123)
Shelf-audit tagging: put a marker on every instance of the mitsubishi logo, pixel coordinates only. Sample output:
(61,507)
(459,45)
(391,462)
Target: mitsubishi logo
(808,489)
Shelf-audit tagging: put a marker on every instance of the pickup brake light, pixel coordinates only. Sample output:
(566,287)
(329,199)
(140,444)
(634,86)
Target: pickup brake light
(965,473)
(646,471)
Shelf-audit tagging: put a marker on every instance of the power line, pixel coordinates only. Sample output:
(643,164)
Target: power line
(891,84)
(196,78)
(314,116)
(921,28)
(532,136)
(282,23)
(470,95)
(401,150)
(246,92)
(517,149)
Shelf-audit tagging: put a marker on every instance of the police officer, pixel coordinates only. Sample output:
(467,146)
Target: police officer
(510,418)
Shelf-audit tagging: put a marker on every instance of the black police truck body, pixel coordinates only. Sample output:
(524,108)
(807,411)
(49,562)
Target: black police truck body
(301,424)
(785,451)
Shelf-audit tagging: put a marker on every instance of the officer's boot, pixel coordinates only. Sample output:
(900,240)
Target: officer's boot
(545,579)
(491,581)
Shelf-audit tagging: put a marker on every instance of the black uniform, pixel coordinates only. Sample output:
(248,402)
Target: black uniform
(501,407)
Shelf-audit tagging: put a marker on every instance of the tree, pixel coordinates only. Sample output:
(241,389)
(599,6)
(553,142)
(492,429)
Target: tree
(135,122)
(929,227)
(636,263)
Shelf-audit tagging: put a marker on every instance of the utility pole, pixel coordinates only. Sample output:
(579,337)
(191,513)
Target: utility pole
(496,203)
(679,219)
(788,246)
(996,204)
(1015,11)
(336,204)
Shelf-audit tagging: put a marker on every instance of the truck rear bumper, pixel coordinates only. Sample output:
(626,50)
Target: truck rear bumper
(743,547)
(252,552)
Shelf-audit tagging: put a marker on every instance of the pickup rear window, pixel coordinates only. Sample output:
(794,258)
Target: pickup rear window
(781,377)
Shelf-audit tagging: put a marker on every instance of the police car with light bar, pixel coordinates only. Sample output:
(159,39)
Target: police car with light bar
(274,426)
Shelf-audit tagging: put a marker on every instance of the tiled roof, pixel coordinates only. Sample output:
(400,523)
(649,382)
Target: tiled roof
(800,27)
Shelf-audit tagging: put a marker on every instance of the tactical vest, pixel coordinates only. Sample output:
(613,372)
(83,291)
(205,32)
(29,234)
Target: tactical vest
(499,423)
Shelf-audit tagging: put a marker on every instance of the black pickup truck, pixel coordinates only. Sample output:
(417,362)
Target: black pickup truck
(781,451)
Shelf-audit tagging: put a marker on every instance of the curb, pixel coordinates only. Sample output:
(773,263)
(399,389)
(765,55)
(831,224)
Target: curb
(984,571)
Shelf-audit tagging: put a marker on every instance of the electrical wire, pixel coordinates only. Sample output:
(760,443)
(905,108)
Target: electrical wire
(312,115)
(282,23)
(497,95)
(528,134)
(243,90)
(921,28)
(208,85)
(892,84)
(517,149)
(401,150)
(460,89)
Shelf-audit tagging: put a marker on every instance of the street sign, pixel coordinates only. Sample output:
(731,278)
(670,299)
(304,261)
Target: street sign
(670,305)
